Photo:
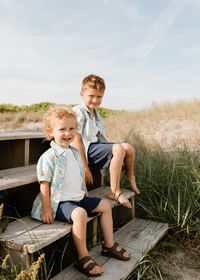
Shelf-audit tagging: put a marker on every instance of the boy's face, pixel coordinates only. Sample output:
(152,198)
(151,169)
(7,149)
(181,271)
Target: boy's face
(92,98)
(63,131)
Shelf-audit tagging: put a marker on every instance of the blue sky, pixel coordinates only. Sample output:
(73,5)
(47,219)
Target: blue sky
(147,51)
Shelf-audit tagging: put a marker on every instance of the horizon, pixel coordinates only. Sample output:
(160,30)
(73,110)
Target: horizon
(147,53)
(147,108)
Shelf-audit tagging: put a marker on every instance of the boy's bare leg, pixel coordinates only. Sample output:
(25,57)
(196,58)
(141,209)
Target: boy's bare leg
(106,223)
(79,227)
(115,173)
(129,164)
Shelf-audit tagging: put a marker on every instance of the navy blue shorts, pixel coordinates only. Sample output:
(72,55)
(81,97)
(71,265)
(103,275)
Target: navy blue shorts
(100,154)
(65,208)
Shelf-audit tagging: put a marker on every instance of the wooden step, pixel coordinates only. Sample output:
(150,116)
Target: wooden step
(13,135)
(27,235)
(102,192)
(136,237)
(18,176)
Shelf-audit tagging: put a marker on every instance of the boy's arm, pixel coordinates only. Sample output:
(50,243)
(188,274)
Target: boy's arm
(47,213)
(79,145)
(86,190)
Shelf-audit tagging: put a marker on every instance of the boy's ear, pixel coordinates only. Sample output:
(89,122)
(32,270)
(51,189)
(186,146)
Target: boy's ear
(50,132)
(81,93)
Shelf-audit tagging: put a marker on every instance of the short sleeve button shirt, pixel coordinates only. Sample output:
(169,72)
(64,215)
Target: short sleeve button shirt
(86,126)
(51,167)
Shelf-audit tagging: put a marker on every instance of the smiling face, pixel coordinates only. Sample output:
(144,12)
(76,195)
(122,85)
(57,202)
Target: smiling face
(63,131)
(92,98)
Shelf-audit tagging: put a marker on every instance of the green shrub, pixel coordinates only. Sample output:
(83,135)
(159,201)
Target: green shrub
(25,108)
(105,113)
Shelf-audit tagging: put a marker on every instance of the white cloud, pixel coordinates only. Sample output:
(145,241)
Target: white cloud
(46,48)
(128,9)
(156,29)
(191,51)
(196,3)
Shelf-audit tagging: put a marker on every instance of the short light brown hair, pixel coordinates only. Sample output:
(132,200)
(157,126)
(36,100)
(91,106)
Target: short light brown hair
(94,82)
(56,112)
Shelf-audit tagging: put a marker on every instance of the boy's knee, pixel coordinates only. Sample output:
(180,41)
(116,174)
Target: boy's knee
(79,213)
(128,148)
(119,150)
(105,205)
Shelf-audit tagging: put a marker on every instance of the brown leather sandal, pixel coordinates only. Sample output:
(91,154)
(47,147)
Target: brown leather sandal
(114,253)
(79,265)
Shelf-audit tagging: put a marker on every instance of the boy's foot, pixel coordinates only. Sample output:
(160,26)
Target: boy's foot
(119,198)
(116,252)
(89,267)
(133,184)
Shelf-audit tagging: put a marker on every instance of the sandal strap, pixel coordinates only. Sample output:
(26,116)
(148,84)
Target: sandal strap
(113,252)
(122,250)
(88,267)
(113,248)
(84,260)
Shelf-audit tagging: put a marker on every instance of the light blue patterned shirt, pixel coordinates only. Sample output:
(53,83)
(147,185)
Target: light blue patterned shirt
(86,128)
(51,167)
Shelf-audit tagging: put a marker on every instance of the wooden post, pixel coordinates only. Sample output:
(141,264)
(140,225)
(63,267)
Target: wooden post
(26,151)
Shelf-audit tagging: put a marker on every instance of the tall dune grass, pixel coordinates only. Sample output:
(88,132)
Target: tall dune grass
(170,187)
(170,192)
(20,121)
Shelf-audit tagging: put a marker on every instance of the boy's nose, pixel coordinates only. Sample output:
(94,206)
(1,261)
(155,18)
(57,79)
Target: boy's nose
(94,100)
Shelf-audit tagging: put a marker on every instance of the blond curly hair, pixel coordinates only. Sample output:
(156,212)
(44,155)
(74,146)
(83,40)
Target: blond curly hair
(56,112)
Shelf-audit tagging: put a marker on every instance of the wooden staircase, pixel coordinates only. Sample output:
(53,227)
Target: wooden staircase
(24,236)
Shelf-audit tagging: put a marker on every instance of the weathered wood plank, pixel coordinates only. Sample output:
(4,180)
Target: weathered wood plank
(12,135)
(138,238)
(102,192)
(18,227)
(18,176)
(36,238)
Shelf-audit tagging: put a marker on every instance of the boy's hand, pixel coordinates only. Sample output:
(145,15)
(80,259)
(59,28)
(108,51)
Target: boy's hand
(88,176)
(47,216)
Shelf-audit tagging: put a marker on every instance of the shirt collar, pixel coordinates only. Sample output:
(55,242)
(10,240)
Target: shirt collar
(57,149)
(88,111)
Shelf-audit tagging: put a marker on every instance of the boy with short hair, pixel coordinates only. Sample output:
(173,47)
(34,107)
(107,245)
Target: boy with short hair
(93,146)
(63,193)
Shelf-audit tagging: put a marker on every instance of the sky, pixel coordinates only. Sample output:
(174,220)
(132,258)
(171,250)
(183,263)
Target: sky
(147,51)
